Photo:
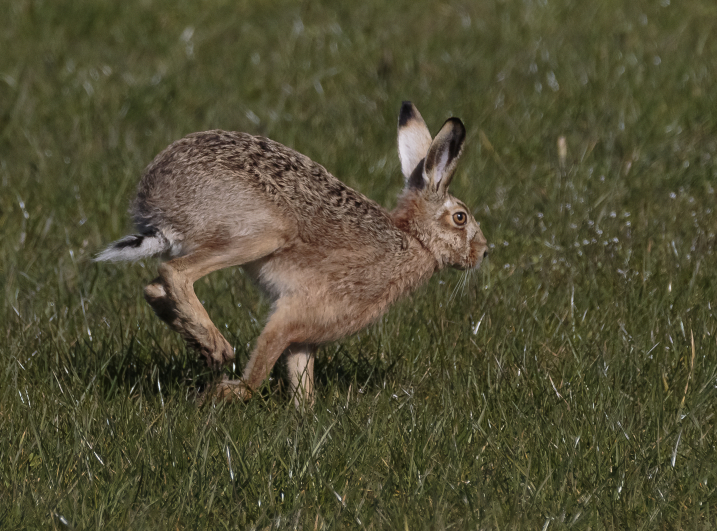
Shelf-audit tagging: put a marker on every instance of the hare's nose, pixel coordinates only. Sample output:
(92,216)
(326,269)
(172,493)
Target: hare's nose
(485,253)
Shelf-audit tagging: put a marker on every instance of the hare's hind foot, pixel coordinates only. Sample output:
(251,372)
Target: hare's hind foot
(173,300)
(172,296)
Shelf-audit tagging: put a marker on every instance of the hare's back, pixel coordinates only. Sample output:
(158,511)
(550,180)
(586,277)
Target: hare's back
(220,178)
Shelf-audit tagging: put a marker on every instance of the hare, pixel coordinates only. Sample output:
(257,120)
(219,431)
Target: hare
(331,259)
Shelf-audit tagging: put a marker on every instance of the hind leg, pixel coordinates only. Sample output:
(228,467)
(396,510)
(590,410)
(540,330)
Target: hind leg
(172,296)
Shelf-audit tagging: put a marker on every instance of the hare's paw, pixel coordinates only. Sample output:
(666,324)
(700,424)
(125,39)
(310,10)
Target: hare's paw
(225,390)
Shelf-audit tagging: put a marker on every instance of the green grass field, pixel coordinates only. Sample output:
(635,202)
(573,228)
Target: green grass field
(571,384)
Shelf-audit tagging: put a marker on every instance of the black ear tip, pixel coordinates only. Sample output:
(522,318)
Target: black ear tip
(457,123)
(457,135)
(406,113)
(459,130)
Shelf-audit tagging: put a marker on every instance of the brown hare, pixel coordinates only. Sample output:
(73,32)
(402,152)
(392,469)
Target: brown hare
(331,259)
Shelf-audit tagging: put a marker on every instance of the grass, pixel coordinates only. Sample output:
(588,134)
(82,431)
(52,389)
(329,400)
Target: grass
(571,385)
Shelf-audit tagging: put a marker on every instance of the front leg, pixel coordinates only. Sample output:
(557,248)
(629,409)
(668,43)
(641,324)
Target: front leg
(276,337)
(300,369)
(289,330)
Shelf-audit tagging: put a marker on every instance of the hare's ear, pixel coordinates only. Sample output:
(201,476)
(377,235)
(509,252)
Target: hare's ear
(414,139)
(443,155)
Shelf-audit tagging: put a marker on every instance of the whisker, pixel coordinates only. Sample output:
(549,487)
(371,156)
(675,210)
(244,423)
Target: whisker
(454,292)
(466,280)
(460,286)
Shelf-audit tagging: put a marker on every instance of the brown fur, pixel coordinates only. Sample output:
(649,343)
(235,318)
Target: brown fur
(332,260)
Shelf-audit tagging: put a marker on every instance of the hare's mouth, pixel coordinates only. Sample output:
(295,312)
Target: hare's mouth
(474,260)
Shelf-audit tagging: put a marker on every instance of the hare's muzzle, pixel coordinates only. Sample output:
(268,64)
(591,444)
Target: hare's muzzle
(479,249)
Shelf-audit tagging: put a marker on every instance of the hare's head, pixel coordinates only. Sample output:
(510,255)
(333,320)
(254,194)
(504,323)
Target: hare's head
(442,223)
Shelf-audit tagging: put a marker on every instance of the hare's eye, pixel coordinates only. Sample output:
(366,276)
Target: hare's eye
(460,218)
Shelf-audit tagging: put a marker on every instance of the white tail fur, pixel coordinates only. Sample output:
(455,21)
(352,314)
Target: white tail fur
(134,247)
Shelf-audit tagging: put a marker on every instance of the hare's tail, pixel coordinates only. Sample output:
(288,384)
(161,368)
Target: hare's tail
(135,247)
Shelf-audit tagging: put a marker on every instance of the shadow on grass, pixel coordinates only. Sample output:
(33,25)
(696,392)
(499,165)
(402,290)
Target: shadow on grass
(135,368)
(367,370)
(150,370)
